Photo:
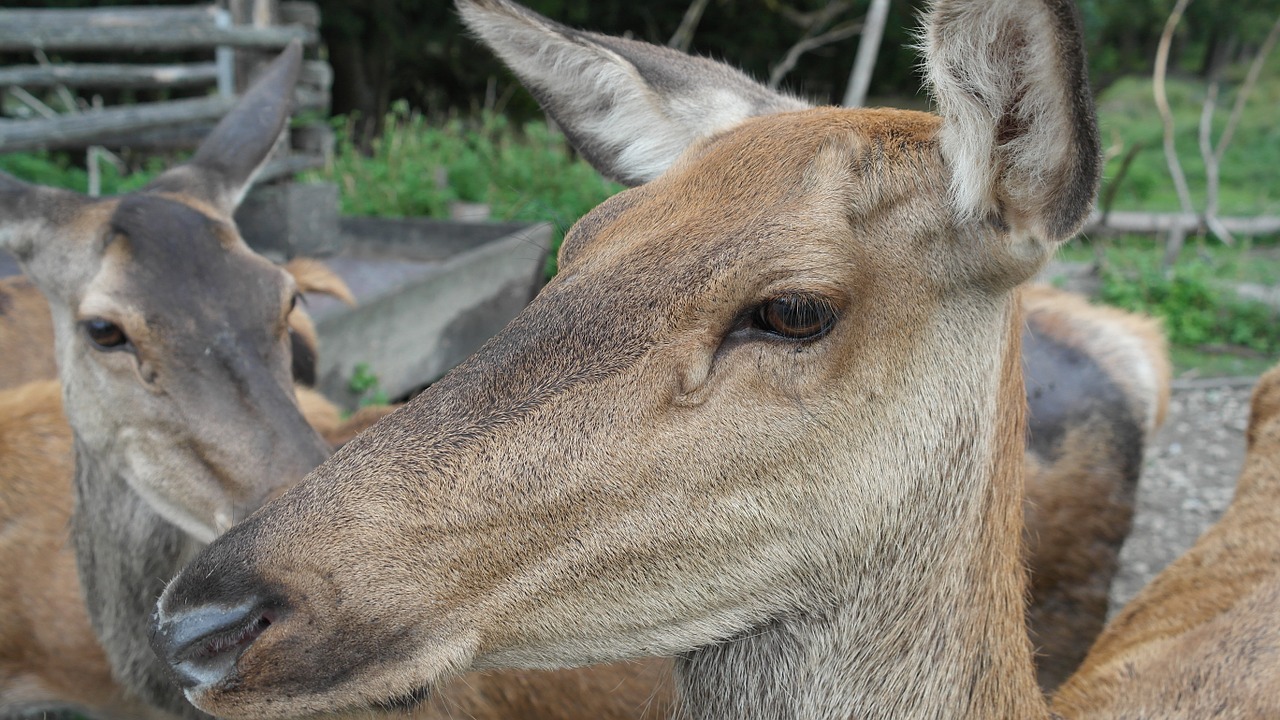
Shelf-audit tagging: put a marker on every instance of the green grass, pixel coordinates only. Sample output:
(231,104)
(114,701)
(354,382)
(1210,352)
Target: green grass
(1192,363)
(524,173)
(1127,117)
(1211,330)
(58,170)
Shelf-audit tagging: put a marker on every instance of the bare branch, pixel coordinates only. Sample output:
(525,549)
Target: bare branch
(1166,117)
(1113,185)
(683,36)
(1211,164)
(1251,78)
(819,17)
(807,43)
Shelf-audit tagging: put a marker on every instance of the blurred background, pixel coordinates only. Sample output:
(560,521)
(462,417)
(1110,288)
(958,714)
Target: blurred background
(423,118)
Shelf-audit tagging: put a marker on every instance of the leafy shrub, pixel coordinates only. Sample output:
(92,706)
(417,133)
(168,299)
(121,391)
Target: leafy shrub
(1197,311)
(364,383)
(524,173)
(59,170)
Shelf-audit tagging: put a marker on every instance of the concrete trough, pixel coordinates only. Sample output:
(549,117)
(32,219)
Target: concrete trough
(429,294)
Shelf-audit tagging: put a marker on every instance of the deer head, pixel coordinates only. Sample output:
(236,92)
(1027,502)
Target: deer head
(146,370)
(778,378)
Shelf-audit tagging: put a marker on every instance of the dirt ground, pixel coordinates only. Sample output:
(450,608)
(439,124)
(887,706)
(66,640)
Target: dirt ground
(1188,478)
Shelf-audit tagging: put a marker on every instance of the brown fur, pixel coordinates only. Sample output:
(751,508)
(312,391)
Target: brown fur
(26,334)
(1201,639)
(48,653)
(345,431)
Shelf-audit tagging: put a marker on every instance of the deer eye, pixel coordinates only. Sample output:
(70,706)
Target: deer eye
(105,335)
(796,317)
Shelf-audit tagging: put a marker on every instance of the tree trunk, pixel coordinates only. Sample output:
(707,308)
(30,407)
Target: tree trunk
(855,94)
(1176,237)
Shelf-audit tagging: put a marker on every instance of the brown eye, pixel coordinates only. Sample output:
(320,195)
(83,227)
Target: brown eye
(796,317)
(105,335)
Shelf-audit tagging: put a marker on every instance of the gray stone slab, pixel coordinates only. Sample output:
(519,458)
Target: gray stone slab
(288,220)
(427,299)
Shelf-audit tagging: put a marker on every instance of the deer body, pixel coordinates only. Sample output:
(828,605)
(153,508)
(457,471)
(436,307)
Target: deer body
(48,653)
(1200,640)
(26,334)
(1097,389)
(768,417)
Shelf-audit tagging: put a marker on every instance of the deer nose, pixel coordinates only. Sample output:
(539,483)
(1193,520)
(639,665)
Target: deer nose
(202,644)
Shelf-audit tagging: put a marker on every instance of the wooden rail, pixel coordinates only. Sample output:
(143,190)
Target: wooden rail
(1147,223)
(103,127)
(235,50)
(81,75)
(138,29)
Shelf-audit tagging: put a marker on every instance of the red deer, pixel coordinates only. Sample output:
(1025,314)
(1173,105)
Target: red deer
(174,355)
(1097,385)
(769,417)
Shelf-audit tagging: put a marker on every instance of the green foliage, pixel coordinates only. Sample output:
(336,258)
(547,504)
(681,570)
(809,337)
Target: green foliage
(1196,307)
(523,172)
(59,170)
(1127,114)
(365,384)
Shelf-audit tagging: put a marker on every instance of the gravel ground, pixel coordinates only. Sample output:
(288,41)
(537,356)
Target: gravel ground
(1188,479)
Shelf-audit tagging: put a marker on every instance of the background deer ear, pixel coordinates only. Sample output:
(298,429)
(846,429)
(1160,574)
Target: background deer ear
(1019,129)
(225,164)
(630,108)
(28,212)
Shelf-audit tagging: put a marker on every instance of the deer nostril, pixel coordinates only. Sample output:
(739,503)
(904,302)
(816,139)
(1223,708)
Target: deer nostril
(203,644)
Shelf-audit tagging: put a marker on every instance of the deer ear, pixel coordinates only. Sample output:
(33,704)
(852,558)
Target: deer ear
(29,212)
(1019,130)
(225,164)
(630,108)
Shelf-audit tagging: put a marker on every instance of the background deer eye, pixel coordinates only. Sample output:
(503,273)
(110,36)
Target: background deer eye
(105,335)
(796,317)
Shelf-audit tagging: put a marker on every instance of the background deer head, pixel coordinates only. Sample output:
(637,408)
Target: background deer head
(146,370)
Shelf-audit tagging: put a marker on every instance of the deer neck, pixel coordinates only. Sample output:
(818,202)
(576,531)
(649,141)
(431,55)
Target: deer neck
(929,623)
(126,553)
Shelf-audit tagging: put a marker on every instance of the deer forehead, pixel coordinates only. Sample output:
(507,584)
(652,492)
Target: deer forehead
(776,188)
(159,251)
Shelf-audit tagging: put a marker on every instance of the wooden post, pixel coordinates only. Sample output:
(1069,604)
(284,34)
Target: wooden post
(257,14)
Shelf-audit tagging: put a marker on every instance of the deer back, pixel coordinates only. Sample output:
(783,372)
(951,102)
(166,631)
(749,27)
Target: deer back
(1097,383)
(1201,637)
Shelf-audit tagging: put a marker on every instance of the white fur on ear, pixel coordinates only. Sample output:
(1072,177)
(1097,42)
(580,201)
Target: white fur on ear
(630,108)
(29,211)
(1018,122)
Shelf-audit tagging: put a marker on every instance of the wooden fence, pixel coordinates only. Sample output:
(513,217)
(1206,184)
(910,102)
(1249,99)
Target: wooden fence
(236,35)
